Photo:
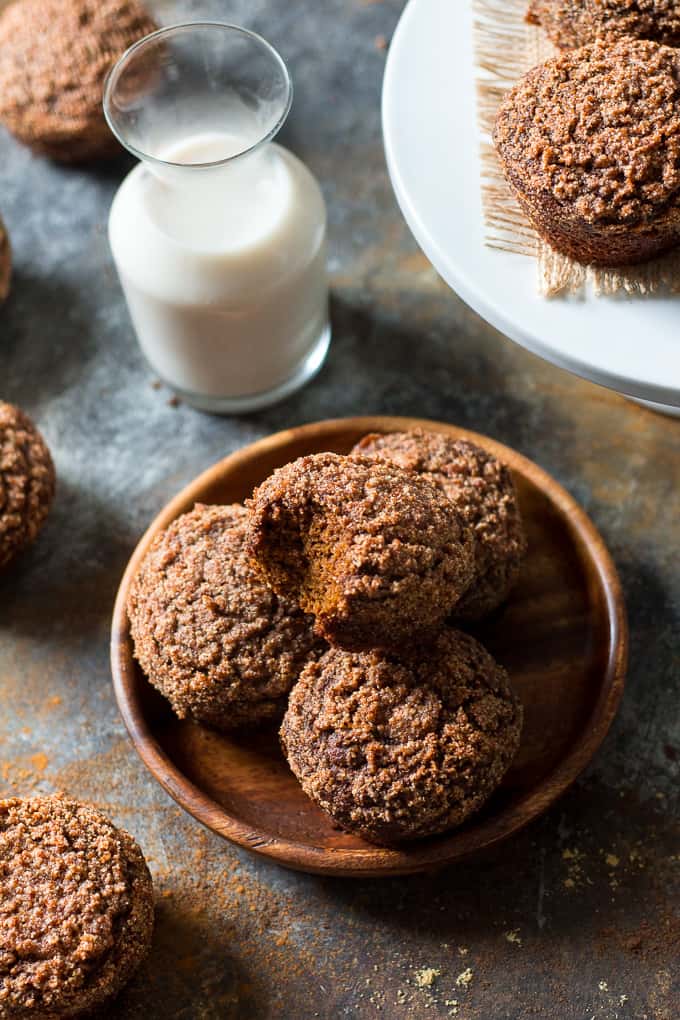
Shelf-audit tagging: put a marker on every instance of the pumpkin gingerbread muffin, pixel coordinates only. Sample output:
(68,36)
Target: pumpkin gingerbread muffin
(397,747)
(590,143)
(54,58)
(76,909)
(208,632)
(572,23)
(27,482)
(482,490)
(379,555)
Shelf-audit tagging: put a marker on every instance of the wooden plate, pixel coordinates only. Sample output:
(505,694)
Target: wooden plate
(563,638)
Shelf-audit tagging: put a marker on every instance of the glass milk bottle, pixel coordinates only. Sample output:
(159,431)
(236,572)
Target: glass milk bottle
(219,235)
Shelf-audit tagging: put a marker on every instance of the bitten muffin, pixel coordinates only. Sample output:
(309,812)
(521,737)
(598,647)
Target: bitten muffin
(208,633)
(5,262)
(27,482)
(54,58)
(482,490)
(396,748)
(378,555)
(572,23)
(590,143)
(76,909)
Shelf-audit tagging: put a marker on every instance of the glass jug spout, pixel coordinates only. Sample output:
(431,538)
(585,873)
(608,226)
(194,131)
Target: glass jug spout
(221,86)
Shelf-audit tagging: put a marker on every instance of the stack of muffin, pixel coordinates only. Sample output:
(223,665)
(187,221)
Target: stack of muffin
(331,600)
(589,141)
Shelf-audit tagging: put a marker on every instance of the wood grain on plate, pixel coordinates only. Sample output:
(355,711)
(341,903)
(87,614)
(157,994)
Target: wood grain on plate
(562,637)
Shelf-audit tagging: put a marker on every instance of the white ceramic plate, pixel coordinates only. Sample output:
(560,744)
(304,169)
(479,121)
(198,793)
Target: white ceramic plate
(432,147)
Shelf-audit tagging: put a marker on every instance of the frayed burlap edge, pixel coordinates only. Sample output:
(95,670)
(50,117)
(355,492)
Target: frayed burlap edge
(501,57)
(506,46)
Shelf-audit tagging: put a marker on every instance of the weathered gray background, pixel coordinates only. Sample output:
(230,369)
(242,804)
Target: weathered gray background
(572,919)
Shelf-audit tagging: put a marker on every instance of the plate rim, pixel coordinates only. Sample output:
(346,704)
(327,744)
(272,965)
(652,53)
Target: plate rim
(378,861)
(467,288)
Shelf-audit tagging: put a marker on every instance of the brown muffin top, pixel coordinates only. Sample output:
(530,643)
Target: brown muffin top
(482,489)
(379,555)
(398,747)
(572,23)
(54,57)
(27,482)
(598,130)
(5,262)
(76,908)
(208,632)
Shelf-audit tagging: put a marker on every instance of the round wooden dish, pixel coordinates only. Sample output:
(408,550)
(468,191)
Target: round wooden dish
(562,637)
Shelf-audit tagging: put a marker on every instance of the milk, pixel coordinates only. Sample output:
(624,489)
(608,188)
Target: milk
(224,268)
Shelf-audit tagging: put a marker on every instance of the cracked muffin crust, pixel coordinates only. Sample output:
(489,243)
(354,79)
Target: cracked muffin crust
(209,634)
(572,23)
(590,143)
(482,490)
(399,747)
(27,482)
(54,58)
(76,908)
(377,554)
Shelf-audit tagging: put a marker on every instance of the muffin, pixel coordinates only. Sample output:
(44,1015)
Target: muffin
(76,909)
(399,747)
(483,492)
(5,262)
(208,632)
(379,555)
(590,143)
(572,23)
(54,58)
(27,482)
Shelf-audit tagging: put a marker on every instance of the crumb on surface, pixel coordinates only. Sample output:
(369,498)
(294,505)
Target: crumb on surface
(464,978)
(426,977)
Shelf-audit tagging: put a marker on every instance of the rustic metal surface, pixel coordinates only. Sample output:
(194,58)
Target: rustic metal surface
(575,918)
